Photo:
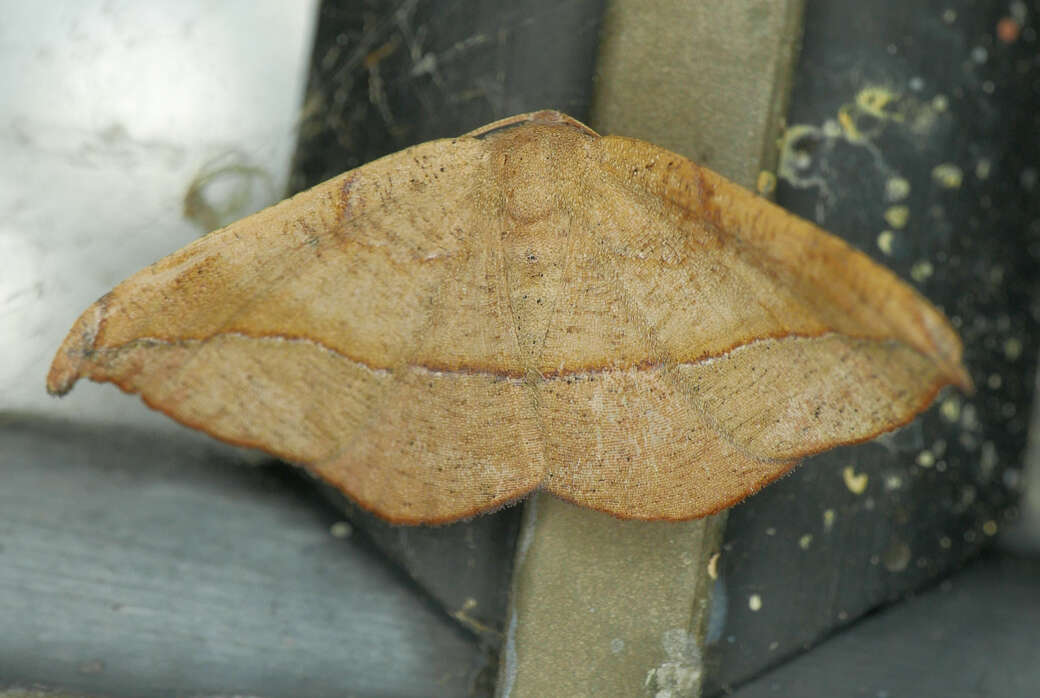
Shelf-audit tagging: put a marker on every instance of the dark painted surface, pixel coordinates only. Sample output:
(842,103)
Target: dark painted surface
(386,74)
(465,566)
(976,635)
(926,93)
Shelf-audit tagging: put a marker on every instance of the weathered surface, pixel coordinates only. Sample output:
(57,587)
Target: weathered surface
(609,617)
(446,329)
(143,567)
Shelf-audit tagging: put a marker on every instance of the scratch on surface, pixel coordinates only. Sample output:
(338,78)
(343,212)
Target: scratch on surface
(463,616)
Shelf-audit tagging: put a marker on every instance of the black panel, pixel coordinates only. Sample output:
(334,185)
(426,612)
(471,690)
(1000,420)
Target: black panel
(387,75)
(926,92)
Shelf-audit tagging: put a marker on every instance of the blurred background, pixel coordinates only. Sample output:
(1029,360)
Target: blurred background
(139,558)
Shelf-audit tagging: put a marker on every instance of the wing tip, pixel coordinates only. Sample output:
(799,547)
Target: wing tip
(67,366)
(62,376)
(958,377)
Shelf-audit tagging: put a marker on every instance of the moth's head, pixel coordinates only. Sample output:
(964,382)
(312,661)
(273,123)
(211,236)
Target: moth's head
(541,165)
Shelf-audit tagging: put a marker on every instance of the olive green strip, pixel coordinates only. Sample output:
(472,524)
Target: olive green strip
(602,607)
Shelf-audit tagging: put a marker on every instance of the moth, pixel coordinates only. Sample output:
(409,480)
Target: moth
(530,305)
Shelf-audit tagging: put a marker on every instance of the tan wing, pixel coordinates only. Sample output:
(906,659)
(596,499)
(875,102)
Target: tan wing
(767,339)
(359,328)
(445,329)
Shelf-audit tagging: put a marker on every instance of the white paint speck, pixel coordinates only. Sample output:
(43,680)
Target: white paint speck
(897,216)
(982,168)
(969,418)
(897,188)
(947,175)
(855,482)
(885,240)
(341,529)
(922,271)
(829,516)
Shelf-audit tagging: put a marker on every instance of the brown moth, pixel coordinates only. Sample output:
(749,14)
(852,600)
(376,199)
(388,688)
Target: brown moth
(530,305)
